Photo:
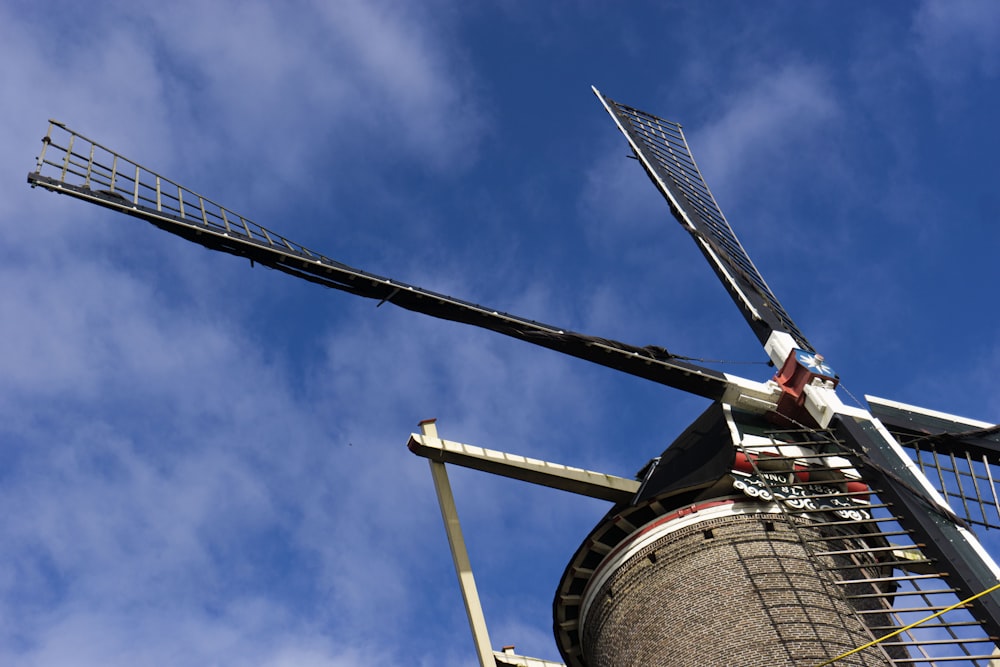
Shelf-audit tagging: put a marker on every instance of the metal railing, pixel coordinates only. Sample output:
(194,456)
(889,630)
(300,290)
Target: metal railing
(881,572)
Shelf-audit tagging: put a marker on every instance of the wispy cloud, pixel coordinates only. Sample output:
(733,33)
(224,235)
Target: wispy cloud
(958,39)
(291,80)
(764,127)
(164,467)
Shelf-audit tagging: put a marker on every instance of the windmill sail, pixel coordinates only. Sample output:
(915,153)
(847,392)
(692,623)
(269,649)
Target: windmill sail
(960,457)
(663,151)
(74,165)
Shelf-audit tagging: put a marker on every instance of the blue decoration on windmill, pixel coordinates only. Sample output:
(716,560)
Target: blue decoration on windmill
(815,363)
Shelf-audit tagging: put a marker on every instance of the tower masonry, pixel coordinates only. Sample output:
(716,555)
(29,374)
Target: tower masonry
(719,570)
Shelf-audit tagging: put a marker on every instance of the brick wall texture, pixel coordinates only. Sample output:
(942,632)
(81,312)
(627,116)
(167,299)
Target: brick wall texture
(736,591)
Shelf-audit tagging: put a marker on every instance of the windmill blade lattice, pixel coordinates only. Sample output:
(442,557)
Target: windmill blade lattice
(663,150)
(959,456)
(74,165)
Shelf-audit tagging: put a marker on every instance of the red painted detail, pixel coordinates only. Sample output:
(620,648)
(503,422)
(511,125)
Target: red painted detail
(793,378)
(861,489)
(744,463)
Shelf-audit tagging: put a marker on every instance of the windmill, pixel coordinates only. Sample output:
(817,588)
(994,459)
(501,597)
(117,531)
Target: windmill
(782,527)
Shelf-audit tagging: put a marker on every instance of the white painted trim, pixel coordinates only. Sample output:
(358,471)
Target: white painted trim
(534,471)
(779,346)
(965,421)
(750,395)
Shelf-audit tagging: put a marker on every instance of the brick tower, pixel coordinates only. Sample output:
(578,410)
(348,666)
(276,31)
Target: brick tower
(711,569)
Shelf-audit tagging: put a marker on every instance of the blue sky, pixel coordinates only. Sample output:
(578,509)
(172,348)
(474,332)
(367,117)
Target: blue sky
(203,463)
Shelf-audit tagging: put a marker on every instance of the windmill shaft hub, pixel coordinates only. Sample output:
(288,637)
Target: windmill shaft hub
(802,370)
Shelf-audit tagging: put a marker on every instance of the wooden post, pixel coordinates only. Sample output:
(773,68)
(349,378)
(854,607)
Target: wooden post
(459,555)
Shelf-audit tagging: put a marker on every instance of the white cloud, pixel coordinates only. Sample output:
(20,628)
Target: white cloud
(764,127)
(287,82)
(248,634)
(249,101)
(180,495)
(957,39)
(620,203)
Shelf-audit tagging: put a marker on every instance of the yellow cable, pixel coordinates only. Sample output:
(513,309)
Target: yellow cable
(908,627)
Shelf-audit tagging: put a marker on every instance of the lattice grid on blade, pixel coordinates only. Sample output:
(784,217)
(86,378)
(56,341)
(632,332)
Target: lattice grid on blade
(881,572)
(968,483)
(76,166)
(663,149)
(72,160)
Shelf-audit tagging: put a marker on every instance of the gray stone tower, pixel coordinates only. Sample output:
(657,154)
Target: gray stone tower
(712,567)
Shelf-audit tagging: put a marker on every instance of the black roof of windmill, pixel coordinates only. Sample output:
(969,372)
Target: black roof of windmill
(802,396)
